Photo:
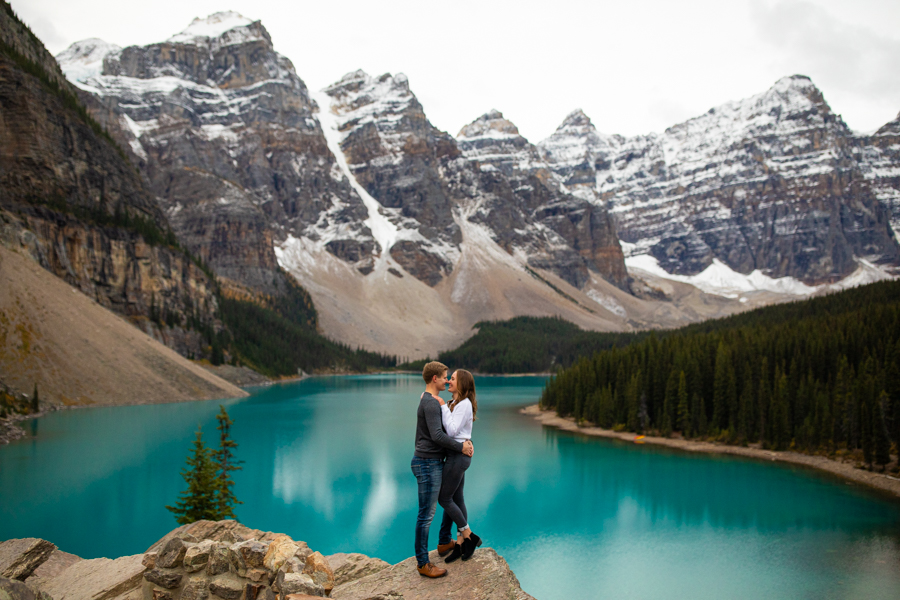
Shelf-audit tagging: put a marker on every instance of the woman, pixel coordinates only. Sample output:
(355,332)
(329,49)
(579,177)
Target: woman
(457,419)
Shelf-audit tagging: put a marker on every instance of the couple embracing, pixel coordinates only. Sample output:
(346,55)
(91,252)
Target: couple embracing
(443,453)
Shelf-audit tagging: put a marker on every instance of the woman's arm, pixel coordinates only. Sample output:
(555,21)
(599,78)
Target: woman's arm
(454,420)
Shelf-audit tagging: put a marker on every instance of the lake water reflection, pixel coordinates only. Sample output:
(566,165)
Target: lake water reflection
(327,461)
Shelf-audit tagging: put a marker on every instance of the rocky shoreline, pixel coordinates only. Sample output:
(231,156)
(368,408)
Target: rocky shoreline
(845,470)
(224,560)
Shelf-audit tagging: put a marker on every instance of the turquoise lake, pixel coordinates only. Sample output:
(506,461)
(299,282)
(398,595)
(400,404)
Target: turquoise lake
(326,460)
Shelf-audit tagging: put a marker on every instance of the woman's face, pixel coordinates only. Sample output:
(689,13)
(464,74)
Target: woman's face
(452,385)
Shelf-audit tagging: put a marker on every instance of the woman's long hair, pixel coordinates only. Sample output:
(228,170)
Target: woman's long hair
(465,388)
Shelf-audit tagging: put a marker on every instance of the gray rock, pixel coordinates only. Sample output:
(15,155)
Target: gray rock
(167,579)
(232,537)
(97,579)
(11,589)
(300,583)
(228,587)
(19,558)
(197,588)
(252,553)
(349,567)
(219,559)
(485,577)
(58,562)
(197,557)
(172,554)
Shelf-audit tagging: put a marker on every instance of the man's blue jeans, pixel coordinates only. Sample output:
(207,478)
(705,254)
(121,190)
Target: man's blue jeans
(428,472)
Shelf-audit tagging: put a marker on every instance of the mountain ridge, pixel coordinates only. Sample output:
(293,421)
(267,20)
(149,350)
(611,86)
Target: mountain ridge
(376,206)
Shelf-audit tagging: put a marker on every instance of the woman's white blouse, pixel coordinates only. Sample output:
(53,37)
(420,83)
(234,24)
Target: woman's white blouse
(458,422)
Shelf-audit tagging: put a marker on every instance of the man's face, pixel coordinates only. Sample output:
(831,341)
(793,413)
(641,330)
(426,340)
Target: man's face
(441,381)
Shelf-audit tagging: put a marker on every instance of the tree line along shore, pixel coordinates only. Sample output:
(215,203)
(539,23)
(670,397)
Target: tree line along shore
(820,377)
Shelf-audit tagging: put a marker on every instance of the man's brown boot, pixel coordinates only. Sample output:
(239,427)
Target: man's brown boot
(429,570)
(443,549)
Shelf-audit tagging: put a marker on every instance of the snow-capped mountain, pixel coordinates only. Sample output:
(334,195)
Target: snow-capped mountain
(529,207)
(879,159)
(406,236)
(226,132)
(771,183)
(376,212)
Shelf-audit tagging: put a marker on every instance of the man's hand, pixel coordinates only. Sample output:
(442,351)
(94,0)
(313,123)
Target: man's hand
(468,448)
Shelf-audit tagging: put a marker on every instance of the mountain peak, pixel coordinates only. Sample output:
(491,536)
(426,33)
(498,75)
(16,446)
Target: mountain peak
(490,124)
(212,26)
(84,59)
(576,118)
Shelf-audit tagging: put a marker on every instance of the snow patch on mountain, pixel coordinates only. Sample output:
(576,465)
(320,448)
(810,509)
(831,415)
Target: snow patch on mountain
(384,232)
(381,101)
(212,26)
(607,302)
(84,59)
(720,280)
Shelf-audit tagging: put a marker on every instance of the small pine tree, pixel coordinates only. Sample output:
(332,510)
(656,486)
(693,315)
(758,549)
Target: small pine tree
(35,402)
(199,500)
(225,464)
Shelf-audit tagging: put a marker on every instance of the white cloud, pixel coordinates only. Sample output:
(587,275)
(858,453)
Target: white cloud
(634,67)
(854,63)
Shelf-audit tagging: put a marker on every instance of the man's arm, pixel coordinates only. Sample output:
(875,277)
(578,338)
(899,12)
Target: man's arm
(436,430)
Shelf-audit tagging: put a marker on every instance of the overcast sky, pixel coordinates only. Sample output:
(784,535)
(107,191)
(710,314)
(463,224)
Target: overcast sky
(633,67)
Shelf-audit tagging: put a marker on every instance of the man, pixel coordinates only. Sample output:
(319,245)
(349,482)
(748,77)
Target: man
(432,444)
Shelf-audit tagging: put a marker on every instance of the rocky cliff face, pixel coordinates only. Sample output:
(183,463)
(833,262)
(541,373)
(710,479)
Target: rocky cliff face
(768,183)
(71,200)
(879,158)
(224,130)
(427,182)
(223,559)
(528,208)
(397,156)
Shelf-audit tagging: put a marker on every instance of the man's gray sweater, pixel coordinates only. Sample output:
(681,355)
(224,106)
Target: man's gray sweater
(431,439)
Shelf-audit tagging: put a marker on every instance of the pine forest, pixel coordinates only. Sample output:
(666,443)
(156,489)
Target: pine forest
(818,376)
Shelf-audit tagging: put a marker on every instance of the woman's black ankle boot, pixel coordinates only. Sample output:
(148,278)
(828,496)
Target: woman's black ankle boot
(455,553)
(468,546)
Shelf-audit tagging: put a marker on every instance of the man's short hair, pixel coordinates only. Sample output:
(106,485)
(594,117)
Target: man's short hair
(433,368)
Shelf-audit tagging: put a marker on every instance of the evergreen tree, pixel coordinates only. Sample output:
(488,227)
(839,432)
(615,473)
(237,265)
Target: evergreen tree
(745,406)
(199,500)
(763,402)
(670,402)
(720,389)
(35,402)
(684,413)
(225,465)
(879,426)
(781,434)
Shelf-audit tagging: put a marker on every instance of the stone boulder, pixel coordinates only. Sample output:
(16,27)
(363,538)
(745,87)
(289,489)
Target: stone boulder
(319,570)
(58,562)
(98,579)
(485,577)
(283,548)
(20,558)
(10,589)
(353,566)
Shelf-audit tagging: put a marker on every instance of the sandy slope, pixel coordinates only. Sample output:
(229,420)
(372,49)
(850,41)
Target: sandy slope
(403,316)
(79,353)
